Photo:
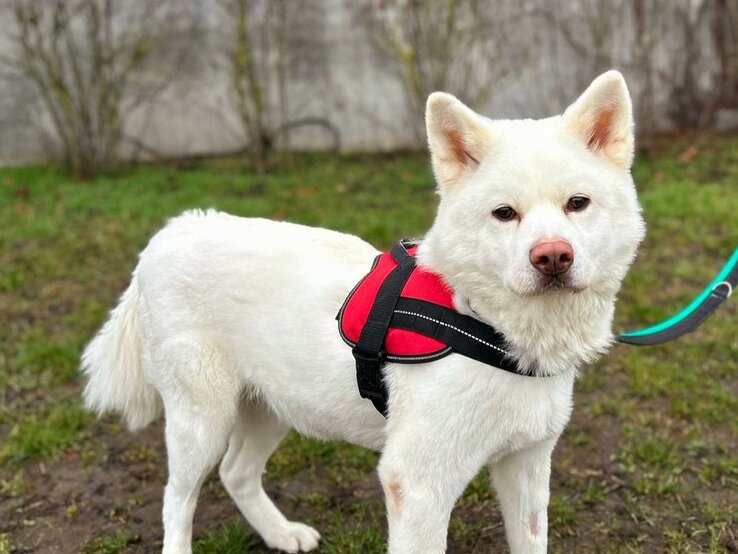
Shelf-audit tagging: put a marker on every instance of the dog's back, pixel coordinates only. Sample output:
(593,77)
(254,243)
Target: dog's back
(224,307)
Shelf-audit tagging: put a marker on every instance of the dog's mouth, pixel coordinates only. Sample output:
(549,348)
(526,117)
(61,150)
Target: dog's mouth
(560,283)
(555,284)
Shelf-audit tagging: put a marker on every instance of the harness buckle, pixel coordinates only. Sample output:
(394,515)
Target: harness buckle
(369,377)
(368,360)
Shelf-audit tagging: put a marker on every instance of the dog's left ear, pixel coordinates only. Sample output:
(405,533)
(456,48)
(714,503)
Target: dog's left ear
(602,117)
(457,138)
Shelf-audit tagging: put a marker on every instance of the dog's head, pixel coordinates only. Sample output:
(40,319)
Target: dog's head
(535,207)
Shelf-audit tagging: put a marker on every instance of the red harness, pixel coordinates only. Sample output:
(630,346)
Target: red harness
(399,344)
(402,313)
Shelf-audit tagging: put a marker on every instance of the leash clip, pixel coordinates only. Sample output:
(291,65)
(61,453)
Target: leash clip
(727,285)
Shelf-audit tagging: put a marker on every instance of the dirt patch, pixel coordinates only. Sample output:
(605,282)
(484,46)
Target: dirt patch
(81,497)
(66,504)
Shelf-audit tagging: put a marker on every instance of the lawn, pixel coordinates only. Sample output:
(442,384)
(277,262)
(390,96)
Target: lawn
(648,464)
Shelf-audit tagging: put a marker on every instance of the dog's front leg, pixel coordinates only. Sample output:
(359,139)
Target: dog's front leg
(422,476)
(522,483)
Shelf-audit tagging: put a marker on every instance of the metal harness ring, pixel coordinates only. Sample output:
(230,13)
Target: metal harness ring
(728,285)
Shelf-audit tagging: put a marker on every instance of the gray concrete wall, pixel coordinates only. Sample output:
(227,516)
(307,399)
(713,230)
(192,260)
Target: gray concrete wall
(345,81)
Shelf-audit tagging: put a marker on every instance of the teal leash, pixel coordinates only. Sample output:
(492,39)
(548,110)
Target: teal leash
(709,300)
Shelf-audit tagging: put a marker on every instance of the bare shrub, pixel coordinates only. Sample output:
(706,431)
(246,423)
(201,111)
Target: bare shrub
(83,58)
(669,47)
(460,46)
(268,43)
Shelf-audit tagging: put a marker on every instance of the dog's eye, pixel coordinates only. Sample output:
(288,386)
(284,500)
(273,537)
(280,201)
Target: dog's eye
(504,213)
(577,203)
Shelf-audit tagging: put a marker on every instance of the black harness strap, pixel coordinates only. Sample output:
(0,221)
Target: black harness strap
(466,335)
(369,350)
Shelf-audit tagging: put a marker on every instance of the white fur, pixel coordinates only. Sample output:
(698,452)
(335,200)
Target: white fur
(231,320)
(121,386)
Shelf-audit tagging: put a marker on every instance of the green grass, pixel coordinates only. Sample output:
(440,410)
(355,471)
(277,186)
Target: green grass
(226,539)
(40,436)
(112,544)
(649,463)
(6,544)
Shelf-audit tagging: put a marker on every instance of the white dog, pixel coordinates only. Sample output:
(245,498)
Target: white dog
(229,323)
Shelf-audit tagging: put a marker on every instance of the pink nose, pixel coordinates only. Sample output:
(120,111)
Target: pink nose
(552,257)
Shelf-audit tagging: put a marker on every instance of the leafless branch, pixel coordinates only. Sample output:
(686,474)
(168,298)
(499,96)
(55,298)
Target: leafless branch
(260,52)
(456,45)
(83,57)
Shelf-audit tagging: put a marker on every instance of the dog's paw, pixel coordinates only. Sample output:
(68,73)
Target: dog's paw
(293,537)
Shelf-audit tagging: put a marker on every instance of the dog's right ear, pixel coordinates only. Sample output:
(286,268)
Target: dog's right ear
(457,138)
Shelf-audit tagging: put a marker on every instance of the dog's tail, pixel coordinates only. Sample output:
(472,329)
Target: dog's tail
(113,364)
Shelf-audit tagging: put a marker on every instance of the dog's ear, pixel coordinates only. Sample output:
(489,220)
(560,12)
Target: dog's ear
(457,138)
(602,117)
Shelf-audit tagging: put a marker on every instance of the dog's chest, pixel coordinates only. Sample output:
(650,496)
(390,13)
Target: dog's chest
(530,413)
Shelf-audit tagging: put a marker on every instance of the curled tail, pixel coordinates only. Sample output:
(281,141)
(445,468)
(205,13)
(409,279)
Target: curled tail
(112,363)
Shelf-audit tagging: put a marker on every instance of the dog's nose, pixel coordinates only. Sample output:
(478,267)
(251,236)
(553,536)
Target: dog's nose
(552,257)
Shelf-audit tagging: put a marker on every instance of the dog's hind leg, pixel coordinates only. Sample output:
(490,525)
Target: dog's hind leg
(200,398)
(256,434)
